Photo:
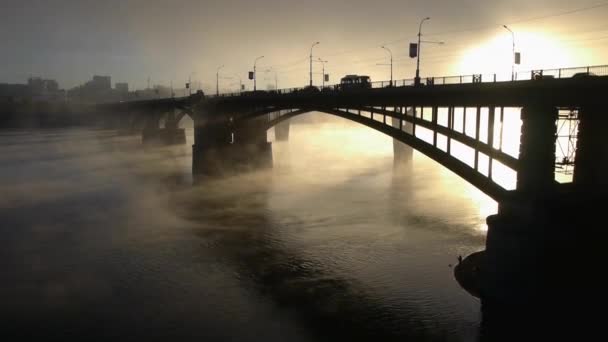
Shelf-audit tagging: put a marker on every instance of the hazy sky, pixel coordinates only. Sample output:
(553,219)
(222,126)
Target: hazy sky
(131,40)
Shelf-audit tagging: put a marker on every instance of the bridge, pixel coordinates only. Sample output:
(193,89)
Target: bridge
(538,219)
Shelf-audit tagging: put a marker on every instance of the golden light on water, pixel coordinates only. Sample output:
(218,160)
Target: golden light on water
(495,56)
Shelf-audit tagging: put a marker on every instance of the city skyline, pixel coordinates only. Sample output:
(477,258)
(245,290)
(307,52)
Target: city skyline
(70,41)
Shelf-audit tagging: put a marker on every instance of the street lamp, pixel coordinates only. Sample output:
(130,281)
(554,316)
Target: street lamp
(513,56)
(313,45)
(323,63)
(217,81)
(255,76)
(391,53)
(417,79)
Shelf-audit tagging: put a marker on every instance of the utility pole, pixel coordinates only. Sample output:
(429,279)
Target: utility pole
(323,63)
(190,83)
(217,81)
(391,53)
(417,80)
(255,76)
(513,56)
(418,50)
(313,45)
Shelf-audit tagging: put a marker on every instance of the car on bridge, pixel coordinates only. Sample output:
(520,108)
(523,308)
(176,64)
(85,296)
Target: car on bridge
(583,75)
(350,82)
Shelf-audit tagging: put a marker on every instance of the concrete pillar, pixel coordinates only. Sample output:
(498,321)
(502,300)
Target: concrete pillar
(281,131)
(212,137)
(223,148)
(150,133)
(536,172)
(591,164)
(253,148)
(402,153)
(168,135)
(553,256)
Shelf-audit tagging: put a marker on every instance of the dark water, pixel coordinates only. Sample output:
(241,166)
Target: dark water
(103,238)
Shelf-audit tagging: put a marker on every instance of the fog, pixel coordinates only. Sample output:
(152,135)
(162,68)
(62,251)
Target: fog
(97,227)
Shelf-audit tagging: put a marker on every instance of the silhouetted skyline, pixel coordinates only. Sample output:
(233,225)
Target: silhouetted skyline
(169,40)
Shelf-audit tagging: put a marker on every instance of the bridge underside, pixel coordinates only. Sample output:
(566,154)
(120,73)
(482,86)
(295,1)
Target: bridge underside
(400,124)
(543,234)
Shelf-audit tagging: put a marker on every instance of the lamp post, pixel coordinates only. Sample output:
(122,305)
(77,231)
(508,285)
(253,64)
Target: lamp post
(255,76)
(313,45)
(513,55)
(217,81)
(417,79)
(323,63)
(391,53)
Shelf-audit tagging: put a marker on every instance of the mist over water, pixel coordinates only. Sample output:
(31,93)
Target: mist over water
(105,238)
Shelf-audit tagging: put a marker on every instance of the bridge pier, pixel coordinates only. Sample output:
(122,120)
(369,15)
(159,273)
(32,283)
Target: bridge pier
(402,154)
(591,164)
(542,251)
(281,131)
(221,148)
(168,135)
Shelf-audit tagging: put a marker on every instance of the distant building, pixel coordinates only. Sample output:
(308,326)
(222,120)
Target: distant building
(101,83)
(122,87)
(99,89)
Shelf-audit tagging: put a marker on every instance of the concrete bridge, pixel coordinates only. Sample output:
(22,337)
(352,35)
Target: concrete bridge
(539,221)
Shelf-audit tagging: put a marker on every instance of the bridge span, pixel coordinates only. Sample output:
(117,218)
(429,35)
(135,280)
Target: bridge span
(537,219)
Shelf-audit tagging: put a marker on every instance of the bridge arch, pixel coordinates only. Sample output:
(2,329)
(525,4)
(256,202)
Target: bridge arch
(486,184)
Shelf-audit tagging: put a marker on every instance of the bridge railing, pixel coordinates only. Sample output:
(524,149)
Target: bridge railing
(600,70)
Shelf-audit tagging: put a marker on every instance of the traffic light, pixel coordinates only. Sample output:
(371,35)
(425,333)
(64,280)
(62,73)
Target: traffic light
(251,75)
(413,50)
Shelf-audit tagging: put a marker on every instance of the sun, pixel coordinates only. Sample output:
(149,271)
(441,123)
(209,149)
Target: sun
(495,56)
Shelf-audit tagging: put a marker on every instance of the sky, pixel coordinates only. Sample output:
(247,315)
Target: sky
(169,41)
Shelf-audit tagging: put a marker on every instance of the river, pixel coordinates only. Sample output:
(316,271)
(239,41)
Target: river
(105,238)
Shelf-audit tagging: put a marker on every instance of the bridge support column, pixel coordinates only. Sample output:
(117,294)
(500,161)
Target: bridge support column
(543,249)
(543,260)
(591,164)
(168,135)
(281,131)
(220,148)
(402,154)
(536,172)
